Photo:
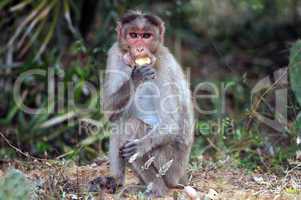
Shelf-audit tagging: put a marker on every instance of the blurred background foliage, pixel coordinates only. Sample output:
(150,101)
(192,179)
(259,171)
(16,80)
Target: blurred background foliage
(233,44)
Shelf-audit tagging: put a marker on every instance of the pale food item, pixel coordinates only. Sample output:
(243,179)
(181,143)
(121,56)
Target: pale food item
(143,61)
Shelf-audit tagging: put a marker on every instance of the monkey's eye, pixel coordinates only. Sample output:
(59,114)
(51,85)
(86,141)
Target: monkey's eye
(146,35)
(133,35)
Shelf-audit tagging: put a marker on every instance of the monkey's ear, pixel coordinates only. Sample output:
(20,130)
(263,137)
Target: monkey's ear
(118,30)
(162,31)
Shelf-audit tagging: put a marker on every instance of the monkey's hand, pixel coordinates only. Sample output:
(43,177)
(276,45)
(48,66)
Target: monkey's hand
(133,148)
(143,73)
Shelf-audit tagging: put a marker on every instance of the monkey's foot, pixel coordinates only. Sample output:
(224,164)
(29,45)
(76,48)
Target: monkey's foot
(156,191)
(106,183)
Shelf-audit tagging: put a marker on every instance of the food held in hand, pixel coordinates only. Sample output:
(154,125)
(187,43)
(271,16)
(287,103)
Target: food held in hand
(143,61)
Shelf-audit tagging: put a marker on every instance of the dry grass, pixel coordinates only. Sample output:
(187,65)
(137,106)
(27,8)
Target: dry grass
(56,178)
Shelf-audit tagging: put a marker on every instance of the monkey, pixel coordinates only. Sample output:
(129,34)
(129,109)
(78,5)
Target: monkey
(149,106)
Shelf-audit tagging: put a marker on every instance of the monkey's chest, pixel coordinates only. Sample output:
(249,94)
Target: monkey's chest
(145,103)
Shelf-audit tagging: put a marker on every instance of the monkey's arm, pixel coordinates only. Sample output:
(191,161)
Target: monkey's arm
(116,98)
(180,137)
(114,103)
(117,84)
(149,142)
(121,81)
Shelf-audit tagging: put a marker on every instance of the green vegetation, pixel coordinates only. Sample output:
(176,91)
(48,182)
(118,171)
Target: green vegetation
(15,186)
(61,47)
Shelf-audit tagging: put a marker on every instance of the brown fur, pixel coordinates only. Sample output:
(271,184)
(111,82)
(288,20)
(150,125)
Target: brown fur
(173,137)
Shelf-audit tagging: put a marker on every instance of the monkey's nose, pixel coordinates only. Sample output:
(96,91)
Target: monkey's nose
(140,50)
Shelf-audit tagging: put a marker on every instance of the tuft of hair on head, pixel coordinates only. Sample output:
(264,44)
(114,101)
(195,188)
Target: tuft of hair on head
(137,12)
(130,15)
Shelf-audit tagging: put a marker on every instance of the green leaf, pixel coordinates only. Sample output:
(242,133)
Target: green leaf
(78,47)
(297,123)
(52,27)
(4,3)
(42,147)
(295,69)
(12,112)
(204,128)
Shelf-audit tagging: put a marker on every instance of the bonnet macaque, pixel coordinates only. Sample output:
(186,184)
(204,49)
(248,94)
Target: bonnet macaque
(148,102)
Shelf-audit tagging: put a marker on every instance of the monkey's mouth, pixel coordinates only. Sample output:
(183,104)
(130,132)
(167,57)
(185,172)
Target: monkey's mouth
(143,61)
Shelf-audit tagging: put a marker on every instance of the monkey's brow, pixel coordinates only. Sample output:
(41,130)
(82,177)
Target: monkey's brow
(128,19)
(152,19)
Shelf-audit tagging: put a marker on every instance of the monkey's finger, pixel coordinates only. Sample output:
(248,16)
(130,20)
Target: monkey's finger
(149,78)
(127,155)
(129,149)
(130,144)
(128,152)
(146,68)
(147,72)
(143,67)
(150,75)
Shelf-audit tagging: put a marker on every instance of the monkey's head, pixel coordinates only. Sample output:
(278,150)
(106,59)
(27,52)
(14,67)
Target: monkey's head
(140,34)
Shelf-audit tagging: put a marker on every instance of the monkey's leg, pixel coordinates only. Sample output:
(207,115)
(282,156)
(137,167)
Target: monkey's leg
(137,129)
(117,164)
(150,176)
(175,174)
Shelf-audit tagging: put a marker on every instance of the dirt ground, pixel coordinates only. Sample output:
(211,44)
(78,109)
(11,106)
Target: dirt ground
(229,183)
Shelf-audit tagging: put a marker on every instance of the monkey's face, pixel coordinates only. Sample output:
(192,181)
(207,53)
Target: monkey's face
(140,38)
(141,42)
(140,35)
